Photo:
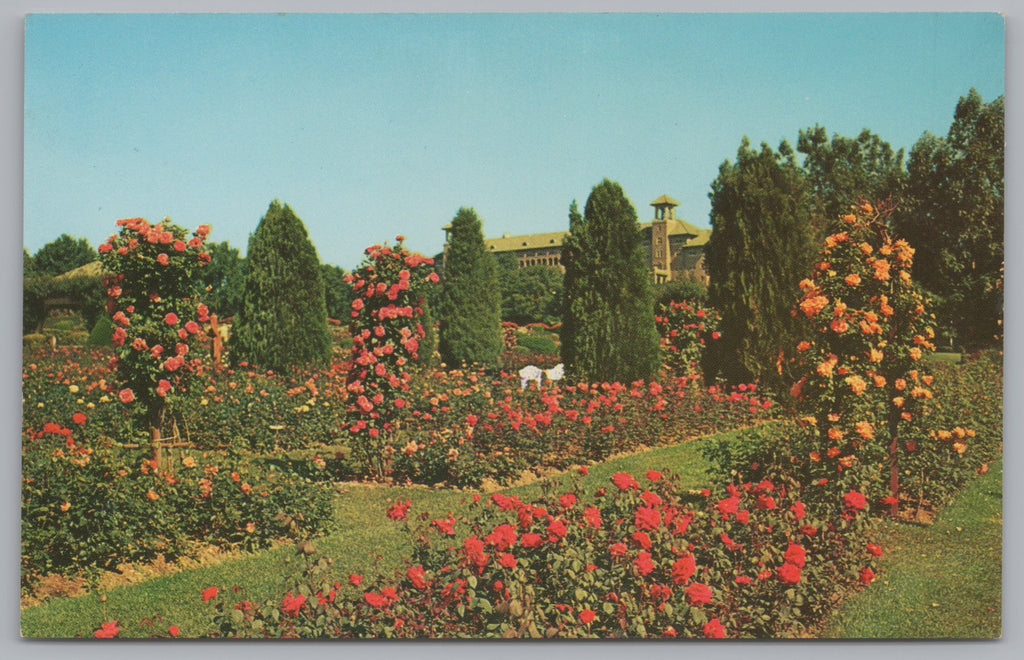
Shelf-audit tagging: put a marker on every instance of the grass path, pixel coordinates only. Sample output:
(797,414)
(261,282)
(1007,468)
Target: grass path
(938,581)
(363,532)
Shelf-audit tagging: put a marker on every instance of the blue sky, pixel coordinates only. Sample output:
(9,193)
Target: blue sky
(374,125)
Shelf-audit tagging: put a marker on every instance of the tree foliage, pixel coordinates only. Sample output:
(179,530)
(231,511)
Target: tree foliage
(469,308)
(954,219)
(532,294)
(63,254)
(760,248)
(842,170)
(224,279)
(608,331)
(337,294)
(283,319)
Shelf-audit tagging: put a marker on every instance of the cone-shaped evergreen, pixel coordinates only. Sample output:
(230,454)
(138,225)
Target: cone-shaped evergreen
(470,306)
(283,321)
(608,330)
(762,245)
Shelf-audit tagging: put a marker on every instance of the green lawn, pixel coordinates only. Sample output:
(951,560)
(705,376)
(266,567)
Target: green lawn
(364,531)
(937,581)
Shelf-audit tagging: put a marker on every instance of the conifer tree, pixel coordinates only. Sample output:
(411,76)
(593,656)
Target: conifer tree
(608,331)
(283,320)
(761,246)
(469,308)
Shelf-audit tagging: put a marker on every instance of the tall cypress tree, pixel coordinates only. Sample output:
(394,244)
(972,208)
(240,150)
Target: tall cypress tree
(283,320)
(761,246)
(470,304)
(608,330)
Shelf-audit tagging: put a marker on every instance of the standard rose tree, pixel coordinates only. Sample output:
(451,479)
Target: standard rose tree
(151,278)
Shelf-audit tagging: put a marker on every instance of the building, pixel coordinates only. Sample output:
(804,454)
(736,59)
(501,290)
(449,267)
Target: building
(673,248)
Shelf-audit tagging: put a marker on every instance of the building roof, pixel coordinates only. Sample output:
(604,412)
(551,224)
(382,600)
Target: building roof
(508,243)
(91,269)
(664,200)
(551,239)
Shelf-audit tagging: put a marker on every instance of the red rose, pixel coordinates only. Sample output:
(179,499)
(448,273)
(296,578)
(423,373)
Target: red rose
(593,517)
(698,593)
(728,505)
(795,554)
(107,630)
(507,560)
(171,319)
(417,576)
(173,631)
(642,539)
(867,575)
(683,569)
(643,563)
(788,573)
(647,518)
(617,549)
(78,418)
(586,616)
(503,537)
(714,629)
(654,475)
(855,500)
(355,579)
(567,500)
(798,510)
(398,510)
(556,530)
(875,549)
(375,600)
(291,605)
(624,481)
(531,540)
(208,593)
(126,395)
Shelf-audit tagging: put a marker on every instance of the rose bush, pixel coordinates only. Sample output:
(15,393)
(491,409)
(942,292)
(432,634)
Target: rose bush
(687,328)
(88,506)
(386,335)
(152,282)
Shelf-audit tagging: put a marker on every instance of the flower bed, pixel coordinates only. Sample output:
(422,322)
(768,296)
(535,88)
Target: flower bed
(641,558)
(89,506)
(458,427)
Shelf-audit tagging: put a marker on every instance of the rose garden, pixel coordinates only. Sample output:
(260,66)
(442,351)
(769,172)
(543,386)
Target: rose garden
(808,444)
(480,507)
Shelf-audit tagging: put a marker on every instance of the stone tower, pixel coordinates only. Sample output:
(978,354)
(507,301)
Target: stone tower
(661,254)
